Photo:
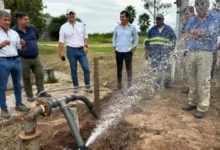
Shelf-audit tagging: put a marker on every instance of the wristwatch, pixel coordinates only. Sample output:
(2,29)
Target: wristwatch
(86,46)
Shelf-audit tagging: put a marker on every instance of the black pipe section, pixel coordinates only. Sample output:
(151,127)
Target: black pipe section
(62,103)
(68,99)
(88,104)
(73,127)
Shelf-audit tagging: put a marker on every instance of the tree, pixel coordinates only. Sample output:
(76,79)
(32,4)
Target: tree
(144,22)
(34,9)
(156,6)
(132,13)
(55,24)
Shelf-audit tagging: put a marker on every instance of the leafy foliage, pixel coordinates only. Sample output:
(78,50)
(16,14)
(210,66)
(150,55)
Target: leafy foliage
(132,13)
(144,22)
(160,7)
(33,8)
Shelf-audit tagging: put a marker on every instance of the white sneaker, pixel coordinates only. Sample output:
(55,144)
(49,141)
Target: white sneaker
(75,90)
(88,89)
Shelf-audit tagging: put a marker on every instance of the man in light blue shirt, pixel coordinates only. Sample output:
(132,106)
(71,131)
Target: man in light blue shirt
(123,36)
(201,40)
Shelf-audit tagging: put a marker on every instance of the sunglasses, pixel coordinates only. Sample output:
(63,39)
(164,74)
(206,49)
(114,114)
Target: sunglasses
(158,19)
(199,4)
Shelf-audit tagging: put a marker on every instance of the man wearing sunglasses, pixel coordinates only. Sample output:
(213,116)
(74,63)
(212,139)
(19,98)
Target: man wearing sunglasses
(200,35)
(160,41)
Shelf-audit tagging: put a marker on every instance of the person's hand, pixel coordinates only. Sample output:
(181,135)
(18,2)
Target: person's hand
(61,55)
(187,36)
(114,49)
(85,49)
(5,43)
(22,42)
(146,56)
(218,46)
(200,32)
(133,49)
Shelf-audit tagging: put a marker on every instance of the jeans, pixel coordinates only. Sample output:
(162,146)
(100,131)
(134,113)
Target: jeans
(8,66)
(74,54)
(120,57)
(35,65)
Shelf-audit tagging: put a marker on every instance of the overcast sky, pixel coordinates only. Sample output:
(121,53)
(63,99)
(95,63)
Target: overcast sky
(102,15)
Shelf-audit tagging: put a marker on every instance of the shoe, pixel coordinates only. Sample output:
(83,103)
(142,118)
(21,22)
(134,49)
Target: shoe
(31,99)
(22,108)
(167,84)
(199,114)
(5,114)
(45,94)
(75,90)
(119,87)
(185,91)
(89,89)
(189,107)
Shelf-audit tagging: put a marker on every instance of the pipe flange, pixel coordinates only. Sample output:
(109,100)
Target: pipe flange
(24,136)
(45,103)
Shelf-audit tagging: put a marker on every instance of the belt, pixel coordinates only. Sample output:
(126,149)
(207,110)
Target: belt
(12,57)
(76,47)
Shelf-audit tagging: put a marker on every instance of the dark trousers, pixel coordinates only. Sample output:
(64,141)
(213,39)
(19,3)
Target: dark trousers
(120,57)
(35,65)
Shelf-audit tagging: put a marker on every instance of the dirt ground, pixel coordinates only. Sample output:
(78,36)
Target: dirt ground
(156,123)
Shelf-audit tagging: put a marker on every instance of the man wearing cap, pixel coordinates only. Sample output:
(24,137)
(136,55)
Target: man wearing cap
(201,36)
(10,64)
(122,42)
(30,58)
(160,41)
(74,35)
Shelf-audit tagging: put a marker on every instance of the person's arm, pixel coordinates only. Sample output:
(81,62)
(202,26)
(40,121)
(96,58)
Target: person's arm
(135,36)
(186,33)
(86,39)
(173,39)
(20,43)
(114,40)
(146,45)
(61,43)
(36,32)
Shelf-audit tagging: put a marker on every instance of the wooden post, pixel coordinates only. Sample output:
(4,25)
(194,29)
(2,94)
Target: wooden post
(96,85)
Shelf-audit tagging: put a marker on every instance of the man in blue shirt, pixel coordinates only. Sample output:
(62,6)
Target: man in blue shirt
(29,58)
(201,39)
(122,43)
(160,41)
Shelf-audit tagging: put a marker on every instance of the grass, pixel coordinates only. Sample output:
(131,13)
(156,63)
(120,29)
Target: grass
(49,56)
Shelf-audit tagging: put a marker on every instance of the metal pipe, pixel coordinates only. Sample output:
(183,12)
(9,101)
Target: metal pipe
(73,127)
(63,89)
(45,109)
(31,120)
(88,104)
(67,99)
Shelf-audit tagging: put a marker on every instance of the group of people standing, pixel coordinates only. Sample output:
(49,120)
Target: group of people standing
(19,53)
(200,34)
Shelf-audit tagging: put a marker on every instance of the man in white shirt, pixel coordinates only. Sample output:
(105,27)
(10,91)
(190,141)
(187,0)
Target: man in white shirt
(74,35)
(10,63)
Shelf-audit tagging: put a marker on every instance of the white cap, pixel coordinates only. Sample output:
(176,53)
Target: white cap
(69,10)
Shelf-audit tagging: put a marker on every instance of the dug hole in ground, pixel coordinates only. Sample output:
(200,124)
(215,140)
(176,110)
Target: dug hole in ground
(156,123)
